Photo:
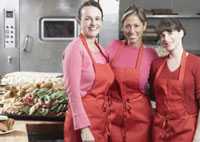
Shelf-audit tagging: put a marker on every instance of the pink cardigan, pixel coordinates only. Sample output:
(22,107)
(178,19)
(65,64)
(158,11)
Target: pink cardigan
(79,77)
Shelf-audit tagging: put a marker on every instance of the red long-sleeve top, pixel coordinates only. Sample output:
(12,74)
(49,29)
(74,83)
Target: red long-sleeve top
(191,82)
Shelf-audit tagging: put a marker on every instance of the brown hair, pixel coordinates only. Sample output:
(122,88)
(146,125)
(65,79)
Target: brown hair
(170,24)
(90,3)
(134,10)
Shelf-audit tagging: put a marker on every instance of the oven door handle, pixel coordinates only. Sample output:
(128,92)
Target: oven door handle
(27,43)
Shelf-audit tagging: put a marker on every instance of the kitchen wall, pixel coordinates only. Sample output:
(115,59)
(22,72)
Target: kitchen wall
(183,7)
(110,26)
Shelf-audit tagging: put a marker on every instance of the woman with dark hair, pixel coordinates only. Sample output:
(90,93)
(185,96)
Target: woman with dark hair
(87,77)
(130,110)
(176,86)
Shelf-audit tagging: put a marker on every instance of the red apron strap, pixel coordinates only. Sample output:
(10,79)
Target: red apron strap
(87,48)
(183,63)
(139,55)
(98,46)
(117,54)
(160,69)
(139,58)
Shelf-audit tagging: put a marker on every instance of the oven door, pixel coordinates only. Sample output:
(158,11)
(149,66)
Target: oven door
(37,54)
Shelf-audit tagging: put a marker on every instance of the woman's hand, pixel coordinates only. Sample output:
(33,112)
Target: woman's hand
(86,135)
(196,140)
(197,131)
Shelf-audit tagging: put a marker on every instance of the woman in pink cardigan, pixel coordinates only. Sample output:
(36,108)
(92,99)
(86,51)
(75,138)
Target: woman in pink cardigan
(87,77)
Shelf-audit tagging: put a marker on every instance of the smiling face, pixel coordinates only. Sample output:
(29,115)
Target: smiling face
(91,21)
(171,40)
(133,29)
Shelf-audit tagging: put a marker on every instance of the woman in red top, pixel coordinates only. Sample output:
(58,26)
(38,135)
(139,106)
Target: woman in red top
(130,113)
(87,77)
(176,87)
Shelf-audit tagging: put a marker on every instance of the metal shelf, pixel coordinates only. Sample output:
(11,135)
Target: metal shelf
(173,16)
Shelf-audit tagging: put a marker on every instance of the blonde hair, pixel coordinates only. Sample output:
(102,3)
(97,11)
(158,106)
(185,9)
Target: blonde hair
(139,12)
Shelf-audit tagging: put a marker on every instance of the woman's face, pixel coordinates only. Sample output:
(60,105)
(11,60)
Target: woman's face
(91,21)
(171,40)
(133,29)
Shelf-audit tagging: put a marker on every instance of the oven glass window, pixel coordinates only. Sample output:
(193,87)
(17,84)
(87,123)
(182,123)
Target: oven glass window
(58,29)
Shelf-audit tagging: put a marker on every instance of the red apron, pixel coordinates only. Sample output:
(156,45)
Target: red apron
(131,116)
(94,103)
(172,122)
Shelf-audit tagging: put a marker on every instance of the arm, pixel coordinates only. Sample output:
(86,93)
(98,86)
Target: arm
(197,93)
(72,64)
(197,132)
(153,69)
(152,57)
(152,73)
(150,89)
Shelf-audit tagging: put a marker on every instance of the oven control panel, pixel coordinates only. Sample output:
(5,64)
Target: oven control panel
(9,28)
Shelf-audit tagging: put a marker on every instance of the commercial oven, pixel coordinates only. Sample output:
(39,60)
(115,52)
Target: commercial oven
(34,33)
(31,38)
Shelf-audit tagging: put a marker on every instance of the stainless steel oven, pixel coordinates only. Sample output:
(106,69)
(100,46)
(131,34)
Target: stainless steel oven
(34,33)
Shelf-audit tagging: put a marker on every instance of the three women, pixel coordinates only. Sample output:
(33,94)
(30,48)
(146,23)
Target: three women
(175,80)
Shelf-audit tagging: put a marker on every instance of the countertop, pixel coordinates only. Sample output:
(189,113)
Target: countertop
(20,134)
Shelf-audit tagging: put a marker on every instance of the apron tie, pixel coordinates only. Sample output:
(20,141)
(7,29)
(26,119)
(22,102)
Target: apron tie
(105,107)
(128,106)
(109,103)
(168,130)
(126,111)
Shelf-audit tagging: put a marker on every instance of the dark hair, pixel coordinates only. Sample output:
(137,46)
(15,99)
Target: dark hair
(138,11)
(170,24)
(89,3)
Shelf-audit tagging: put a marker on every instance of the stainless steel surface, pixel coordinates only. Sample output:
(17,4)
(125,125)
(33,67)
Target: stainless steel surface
(28,42)
(44,55)
(31,52)
(9,57)
(110,28)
